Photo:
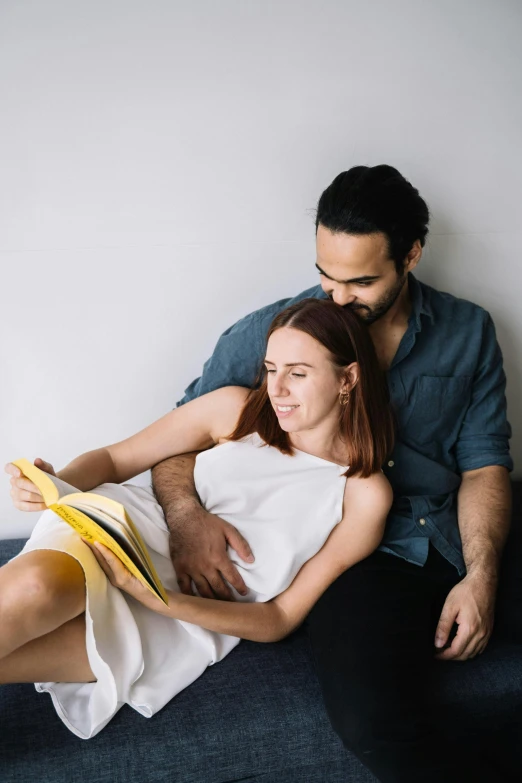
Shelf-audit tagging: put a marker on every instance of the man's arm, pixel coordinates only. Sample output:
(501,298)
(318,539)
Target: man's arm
(237,357)
(484,506)
(484,512)
(484,509)
(198,540)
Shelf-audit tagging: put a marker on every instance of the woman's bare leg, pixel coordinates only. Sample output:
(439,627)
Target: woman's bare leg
(39,592)
(59,656)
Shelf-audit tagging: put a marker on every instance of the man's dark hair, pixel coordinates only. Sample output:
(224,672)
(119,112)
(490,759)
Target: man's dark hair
(375,199)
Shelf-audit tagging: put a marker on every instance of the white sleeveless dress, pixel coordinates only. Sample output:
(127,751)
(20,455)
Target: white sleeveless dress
(284,506)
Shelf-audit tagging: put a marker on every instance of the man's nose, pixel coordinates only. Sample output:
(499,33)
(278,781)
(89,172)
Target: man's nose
(342,297)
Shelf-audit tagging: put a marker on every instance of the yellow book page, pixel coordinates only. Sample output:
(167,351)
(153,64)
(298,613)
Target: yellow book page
(88,503)
(42,480)
(117,511)
(93,532)
(54,495)
(110,508)
(116,530)
(113,509)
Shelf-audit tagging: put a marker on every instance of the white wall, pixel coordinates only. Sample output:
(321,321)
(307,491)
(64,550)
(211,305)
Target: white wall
(160,162)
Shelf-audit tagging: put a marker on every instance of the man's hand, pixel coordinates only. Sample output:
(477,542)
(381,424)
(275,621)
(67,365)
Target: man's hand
(198,540)
(471,604)
(199,554)
(26,495)
(484,510)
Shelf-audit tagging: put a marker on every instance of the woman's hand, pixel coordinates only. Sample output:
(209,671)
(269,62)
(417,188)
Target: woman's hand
(120,577)
(26,495)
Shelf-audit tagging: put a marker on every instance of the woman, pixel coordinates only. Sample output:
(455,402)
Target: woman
(77,624)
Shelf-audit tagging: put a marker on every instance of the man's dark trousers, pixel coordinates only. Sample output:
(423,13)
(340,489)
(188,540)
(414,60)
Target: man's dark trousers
(372,635)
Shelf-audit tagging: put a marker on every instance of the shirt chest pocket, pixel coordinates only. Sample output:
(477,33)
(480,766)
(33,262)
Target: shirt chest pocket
(438,407)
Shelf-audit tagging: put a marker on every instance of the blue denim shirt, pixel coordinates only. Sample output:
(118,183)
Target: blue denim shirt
(447,387)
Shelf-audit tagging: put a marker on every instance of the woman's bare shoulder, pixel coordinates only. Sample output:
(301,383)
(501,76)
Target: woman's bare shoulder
(225,405)
(373,492)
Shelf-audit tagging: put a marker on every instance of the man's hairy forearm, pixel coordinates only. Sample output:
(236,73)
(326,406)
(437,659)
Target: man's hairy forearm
(484,512)
(174,488)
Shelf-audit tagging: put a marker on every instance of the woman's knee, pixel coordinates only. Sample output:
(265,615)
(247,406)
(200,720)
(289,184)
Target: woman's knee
(38,580)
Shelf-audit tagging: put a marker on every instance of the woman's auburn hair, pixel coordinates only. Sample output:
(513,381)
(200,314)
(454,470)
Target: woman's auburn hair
(366,422)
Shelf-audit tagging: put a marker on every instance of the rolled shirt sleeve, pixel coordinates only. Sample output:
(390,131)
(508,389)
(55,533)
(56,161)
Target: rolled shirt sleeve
(236,359)
(483,438)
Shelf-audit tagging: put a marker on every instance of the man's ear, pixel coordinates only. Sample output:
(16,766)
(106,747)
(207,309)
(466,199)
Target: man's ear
(413,257)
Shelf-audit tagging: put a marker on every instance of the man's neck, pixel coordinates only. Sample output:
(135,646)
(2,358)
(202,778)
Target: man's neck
(397,315)
(389,330)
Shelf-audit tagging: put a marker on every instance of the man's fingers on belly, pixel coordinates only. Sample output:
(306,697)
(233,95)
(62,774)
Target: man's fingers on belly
(239,544)
(233,577)
(203,587)
(185,584)
(219,587)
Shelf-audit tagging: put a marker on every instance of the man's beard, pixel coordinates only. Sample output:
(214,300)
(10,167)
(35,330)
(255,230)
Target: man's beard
(371,314)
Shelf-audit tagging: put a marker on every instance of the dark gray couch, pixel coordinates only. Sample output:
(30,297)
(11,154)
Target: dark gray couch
(257,716)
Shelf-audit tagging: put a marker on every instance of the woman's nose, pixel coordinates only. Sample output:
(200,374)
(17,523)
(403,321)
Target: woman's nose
(279,389)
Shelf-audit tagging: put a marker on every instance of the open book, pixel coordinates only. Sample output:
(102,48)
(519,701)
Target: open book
(97,518)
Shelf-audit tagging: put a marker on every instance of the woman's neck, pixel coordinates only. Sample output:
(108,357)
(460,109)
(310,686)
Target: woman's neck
(321,443)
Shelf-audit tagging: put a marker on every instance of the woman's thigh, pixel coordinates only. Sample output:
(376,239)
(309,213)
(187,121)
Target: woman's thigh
(59,656)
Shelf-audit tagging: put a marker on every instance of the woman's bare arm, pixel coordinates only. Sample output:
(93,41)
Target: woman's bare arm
(367,503)
(197,425)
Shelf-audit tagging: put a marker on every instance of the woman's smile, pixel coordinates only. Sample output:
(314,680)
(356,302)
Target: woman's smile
(283,411)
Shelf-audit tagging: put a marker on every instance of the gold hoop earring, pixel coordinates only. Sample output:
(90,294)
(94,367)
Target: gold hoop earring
(344,397)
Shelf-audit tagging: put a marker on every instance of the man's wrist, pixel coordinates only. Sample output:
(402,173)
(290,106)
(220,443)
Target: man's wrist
(485,568)
(181,513)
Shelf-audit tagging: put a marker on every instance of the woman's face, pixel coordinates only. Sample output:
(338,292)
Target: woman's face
(303,385)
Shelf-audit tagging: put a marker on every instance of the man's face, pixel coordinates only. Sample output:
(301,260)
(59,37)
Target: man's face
(357,273)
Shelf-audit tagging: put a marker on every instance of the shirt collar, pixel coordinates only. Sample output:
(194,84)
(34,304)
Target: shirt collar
(419,300)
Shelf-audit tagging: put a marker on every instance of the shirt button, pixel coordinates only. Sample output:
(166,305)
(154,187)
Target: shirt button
(391,463)
(422,521)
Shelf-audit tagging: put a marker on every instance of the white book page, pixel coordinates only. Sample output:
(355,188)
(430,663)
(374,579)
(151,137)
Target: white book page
(62,486)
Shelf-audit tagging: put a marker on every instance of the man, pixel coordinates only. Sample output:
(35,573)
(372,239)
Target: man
(429,591)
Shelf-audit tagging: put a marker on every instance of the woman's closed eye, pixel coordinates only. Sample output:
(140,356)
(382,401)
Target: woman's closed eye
(293,374)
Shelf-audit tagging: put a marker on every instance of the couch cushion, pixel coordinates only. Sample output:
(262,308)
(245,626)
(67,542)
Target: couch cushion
(258,712)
